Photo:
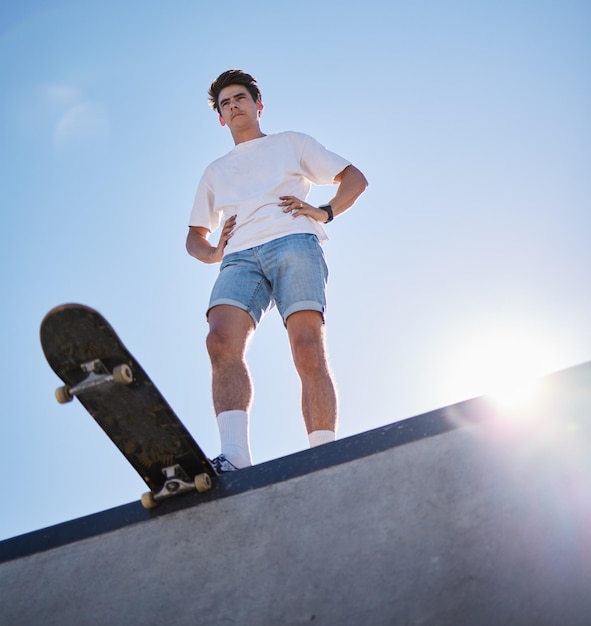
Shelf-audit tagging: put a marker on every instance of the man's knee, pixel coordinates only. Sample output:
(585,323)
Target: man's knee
(308,355)
(229,331)
(307,347)
(217,343)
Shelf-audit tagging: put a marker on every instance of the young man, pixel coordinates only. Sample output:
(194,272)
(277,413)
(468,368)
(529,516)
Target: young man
(270,255)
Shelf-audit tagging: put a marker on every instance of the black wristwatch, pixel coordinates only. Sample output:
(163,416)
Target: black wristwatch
(328,209)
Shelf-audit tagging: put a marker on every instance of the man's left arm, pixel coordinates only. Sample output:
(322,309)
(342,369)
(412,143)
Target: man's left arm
(351,184)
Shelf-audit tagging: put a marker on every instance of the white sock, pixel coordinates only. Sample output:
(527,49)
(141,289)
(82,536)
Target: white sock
(234,436)
(319,437)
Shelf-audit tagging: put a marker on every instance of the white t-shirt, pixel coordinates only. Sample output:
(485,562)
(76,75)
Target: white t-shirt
(248,181)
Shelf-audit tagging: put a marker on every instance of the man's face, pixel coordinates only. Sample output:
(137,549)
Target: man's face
(237,108)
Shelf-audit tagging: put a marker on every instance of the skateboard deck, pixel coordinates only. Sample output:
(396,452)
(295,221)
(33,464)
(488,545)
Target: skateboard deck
(85,352)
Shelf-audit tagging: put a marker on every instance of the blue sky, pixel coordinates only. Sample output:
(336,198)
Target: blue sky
(467,260)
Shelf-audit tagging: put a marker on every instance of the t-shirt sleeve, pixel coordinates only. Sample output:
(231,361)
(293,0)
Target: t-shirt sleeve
(203,212)
(319,164)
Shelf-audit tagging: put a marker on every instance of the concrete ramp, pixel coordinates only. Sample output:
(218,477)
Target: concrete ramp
(467,515)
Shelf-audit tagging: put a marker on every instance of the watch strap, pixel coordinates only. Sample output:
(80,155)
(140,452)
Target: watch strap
(328,209)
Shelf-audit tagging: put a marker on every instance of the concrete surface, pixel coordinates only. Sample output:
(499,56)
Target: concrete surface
(482,518)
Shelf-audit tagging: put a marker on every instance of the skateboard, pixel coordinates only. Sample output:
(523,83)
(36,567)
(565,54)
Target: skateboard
(85,352)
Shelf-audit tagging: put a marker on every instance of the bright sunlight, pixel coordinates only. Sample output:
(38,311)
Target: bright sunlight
(503,363)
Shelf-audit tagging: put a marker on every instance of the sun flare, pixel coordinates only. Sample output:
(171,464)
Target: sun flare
(503,364)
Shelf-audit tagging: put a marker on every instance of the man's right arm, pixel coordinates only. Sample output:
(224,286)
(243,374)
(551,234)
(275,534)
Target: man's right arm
(199,247)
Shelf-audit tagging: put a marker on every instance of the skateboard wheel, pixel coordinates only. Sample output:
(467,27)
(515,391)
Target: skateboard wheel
(202,482)
(122,374)
(148,501)
(63,395)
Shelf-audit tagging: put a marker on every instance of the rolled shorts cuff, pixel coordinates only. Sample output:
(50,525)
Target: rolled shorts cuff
(303,305)
(235,303)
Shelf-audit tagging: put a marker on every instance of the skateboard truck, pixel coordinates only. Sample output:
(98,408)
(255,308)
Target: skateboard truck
(97,374)
(177,481)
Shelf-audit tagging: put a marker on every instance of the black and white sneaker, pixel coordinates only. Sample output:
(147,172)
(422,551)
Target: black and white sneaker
(222,466)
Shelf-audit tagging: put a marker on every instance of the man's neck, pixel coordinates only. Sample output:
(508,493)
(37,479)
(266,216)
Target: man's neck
(247,135)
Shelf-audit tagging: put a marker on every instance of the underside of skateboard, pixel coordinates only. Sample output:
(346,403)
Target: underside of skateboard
(176,479)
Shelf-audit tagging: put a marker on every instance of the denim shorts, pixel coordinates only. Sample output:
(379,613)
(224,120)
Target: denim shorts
(289,272)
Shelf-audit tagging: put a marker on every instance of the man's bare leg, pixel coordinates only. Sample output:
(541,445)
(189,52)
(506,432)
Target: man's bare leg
(319,398)
(230,330)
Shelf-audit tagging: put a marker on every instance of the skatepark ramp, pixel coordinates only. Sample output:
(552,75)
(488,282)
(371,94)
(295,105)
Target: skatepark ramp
(467,515)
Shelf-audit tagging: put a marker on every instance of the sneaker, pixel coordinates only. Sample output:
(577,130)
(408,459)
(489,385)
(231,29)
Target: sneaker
(222,466)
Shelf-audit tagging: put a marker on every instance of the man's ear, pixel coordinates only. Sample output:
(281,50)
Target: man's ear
(222,121)
(260,106)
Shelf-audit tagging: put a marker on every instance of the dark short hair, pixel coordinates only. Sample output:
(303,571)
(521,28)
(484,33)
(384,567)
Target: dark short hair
(232,77)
